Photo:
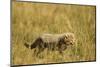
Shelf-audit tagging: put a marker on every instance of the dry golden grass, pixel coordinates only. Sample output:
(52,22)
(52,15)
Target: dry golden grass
(29,20)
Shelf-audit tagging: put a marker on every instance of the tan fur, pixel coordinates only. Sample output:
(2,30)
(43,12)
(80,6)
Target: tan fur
(57,42)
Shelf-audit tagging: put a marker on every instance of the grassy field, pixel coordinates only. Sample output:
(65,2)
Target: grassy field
(29,20)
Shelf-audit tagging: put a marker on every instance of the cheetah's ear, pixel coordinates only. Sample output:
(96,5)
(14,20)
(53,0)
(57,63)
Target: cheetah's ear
(66,37)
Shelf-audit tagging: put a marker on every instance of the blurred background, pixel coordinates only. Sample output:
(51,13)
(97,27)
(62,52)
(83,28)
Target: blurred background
(29,20)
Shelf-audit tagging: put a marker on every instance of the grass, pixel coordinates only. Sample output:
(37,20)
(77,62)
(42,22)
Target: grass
(29,20)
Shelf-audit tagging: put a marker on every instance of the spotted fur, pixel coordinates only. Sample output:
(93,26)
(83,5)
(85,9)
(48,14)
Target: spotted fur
(52,42)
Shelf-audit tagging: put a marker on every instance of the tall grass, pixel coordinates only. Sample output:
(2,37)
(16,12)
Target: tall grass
(29,20)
